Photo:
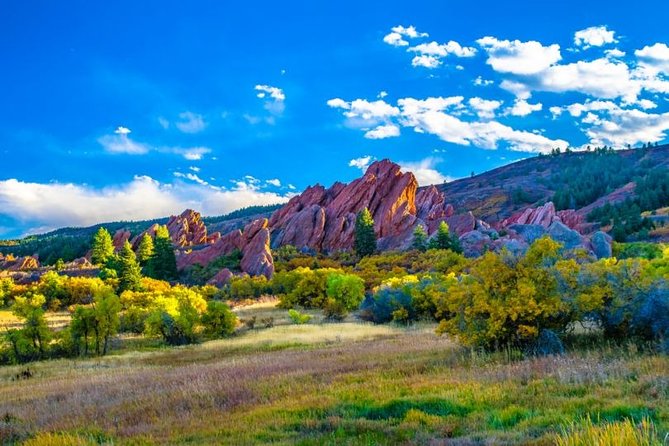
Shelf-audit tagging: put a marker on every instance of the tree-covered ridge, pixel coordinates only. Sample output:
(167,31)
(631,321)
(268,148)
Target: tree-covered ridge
(72,243)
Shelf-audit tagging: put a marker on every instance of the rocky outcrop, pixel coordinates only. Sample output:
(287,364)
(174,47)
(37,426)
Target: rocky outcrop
(186,230)
(253,242)
(324,219)
(569,238)
(11,263)
(545,216)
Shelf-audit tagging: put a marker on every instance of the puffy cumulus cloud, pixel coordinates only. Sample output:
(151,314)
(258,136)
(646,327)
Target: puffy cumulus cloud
(383,131)
(189,122)
(274,98)
(484,108)
(397,34)
(440,116)
(120,142)
(425,171)
(600,78)
(523,108)
(274,182)
(54,205)
(654,57)
(607,123)
(620,127)
(429,55)
(426,61)
(375,117)
(516,57)
(361,163)
(594,36)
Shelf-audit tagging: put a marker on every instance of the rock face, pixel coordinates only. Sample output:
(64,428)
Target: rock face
(601,245)
(545,216)
(185,230)
(120,237)
(324,219)
(253,243)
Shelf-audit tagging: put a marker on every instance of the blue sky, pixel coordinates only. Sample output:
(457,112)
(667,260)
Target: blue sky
(131,111)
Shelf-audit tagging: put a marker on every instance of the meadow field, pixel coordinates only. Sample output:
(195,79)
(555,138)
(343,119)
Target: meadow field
(337,383)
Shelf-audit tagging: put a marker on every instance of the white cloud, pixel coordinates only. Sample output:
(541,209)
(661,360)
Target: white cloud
(395,37)
(53,205)
(426,61)
(361,163)
(382,94)
(164,123)
(655,57)
(383,131)
(425,172)
(274,98)
(480,82)
(431,116)
(484,108)
(190,153)
(274,182)
(614,53)
(594,36)
(523,108)
(190,122)
(444,49)
(120,142)
(518,57)
(623,126)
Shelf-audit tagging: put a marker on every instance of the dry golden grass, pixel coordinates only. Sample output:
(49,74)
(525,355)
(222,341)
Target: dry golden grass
(347,383)
(57,320)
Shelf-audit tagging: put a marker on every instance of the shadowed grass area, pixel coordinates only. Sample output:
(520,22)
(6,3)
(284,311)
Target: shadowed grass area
(314,384)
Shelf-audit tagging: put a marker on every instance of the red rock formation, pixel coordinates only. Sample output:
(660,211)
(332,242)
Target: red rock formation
(324,219)
(120,237)
(221,278)
(185,230)
(543,216)
(253,242)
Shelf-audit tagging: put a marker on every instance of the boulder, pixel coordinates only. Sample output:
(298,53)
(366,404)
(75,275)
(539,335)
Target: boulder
(221,278)
(569,238)
(601,244)
(514,246)
(527,233)
(475,243)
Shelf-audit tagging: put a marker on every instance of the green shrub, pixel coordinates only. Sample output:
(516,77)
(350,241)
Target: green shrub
(298,318)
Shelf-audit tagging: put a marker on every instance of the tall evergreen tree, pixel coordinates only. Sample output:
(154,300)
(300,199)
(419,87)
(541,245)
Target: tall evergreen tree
(103,248)
(445,240)
(145,249)
(365,238)
(163,264)
(130,274)
(419,241)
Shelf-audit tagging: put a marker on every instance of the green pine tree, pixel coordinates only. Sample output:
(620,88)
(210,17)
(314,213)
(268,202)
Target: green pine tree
(365,238)
(163,264)
(145,249)
(103,247)
(419,241)
(130,274)
(442,239)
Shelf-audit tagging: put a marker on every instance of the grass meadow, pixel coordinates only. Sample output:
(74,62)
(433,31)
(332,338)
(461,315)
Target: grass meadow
(338,383)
